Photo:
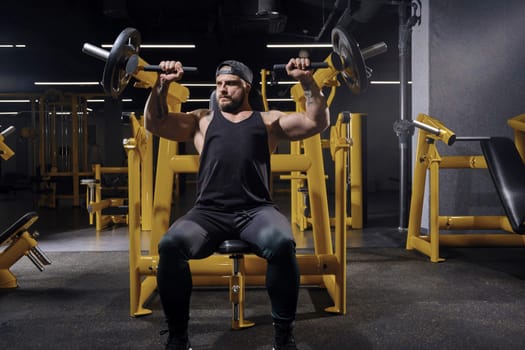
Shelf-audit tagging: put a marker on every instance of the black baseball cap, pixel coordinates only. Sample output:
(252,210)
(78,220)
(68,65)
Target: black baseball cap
(236,68)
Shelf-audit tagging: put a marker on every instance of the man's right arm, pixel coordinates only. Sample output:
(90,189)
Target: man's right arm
(159,120)
(175,126)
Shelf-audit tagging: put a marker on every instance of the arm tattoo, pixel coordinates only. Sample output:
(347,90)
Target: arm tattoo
(308,92)
(308,96)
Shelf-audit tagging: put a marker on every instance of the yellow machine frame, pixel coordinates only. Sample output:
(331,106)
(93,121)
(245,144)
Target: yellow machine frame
(326,267)
(327,78)
(429,160)
(79,166)
(95,202)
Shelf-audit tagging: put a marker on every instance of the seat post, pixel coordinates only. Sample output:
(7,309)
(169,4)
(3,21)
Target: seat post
(237,249)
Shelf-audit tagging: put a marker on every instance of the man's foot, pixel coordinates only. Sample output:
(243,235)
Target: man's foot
(178,342)
(283,337)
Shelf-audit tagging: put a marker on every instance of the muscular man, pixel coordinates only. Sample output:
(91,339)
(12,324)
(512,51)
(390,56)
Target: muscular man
(233,199)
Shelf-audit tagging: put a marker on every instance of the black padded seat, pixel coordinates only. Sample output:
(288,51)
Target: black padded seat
(26,219)
(234,246)
(508,173)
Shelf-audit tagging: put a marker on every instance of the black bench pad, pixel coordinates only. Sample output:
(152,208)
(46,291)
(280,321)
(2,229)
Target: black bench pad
(508,173)
(19,224)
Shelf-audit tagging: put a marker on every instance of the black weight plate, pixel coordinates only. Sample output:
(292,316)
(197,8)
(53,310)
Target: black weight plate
(347,48)
(115,78)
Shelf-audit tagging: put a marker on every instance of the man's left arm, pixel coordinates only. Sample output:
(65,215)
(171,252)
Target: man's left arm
(316,117)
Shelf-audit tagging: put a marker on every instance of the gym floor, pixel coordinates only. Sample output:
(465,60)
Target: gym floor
(396,299)
(67,228)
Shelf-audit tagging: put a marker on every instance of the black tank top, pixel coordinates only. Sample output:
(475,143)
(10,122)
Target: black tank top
(234,170)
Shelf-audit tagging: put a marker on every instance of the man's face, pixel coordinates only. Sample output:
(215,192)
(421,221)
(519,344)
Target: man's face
(231,91)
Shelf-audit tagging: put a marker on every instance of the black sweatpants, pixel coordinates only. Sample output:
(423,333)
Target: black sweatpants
(197,235)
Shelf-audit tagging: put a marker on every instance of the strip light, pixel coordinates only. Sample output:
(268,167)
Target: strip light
(386,82)
(100,100)
(282,83)
(373,82)
(292,46)
(14,101)
(292,82)
(66,113)
(269,100)
(10,46)
(200,84)
(198,100)
(79,83)
(158,46)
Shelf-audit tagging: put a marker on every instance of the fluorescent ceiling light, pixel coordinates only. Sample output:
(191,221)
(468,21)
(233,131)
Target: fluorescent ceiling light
(280,99)
(159,46)
(7,46)
(386,82)
(198,100)
(291,46)
(200,84)
(9,113)
(168,46)
(80,83)
(64,113)
(100,100)
(374,82)
(14,101)
(269,100)
(282,82)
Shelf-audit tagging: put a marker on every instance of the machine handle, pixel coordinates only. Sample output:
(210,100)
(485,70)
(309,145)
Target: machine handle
(313,65)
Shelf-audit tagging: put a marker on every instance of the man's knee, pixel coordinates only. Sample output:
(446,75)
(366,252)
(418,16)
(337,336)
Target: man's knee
(172,244)
(280,246)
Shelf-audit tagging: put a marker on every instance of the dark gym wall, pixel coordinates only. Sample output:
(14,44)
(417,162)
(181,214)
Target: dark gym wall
(469,58)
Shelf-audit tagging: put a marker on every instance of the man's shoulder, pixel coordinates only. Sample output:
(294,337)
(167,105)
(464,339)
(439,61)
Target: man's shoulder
(272,114)
(201,113)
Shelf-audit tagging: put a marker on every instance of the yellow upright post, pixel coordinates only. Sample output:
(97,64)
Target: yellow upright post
(141,289)
(434,161)
(341,163)
(136,308)
(146,173)
(418,191)
(356,170)
(315,175)
(75,141)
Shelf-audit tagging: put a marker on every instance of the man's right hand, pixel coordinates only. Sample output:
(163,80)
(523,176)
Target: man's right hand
(171,71)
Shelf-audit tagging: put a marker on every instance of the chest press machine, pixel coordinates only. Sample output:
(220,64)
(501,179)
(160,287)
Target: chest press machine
(505,162)
(326,267)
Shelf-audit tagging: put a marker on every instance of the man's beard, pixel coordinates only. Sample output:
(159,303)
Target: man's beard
(232,106)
